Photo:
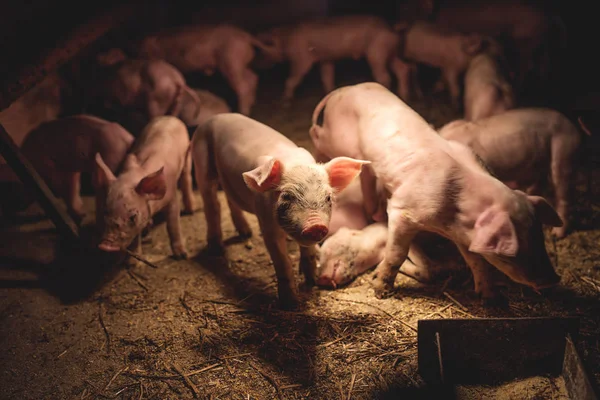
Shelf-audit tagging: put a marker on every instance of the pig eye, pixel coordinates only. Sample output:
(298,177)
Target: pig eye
(286,197)
(328,198)
(132,219)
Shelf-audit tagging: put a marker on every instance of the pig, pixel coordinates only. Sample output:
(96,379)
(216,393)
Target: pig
(526,25)
(206,48)
(142,90)
(264,173)
(61,149)
(523,147)
(146,184)
(451,51)
(436,185)
(210,104)
(325,40)
(488,87)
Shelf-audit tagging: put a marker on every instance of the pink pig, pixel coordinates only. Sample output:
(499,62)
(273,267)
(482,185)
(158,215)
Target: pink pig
(325,40)
(427,43)
(207,48)
(522,147)
(61,149)
(264,173)
(436,185)
(147,184)
(488,88)
(209,105)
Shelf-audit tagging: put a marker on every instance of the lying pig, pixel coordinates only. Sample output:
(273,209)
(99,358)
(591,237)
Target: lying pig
(488,88)
(522,147)
(147,184)
(325,40)
(436,185)
(207,48)
(451,51)
(209,105)
(265,173)
(141,90)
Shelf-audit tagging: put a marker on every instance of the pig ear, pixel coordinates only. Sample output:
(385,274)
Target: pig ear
(265,177)
(545,212)
(342,170)
(102,174)
(494,233)
(473,43)
(154,185)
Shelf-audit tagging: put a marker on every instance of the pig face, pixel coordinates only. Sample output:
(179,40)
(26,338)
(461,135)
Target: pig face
(521,256)
(304,193)
(126,208)
(336,262)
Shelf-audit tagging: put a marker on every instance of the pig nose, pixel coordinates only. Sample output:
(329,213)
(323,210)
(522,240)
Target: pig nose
(315,233)
(325,281)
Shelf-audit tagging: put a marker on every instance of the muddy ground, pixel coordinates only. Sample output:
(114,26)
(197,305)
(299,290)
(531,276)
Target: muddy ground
(74,326)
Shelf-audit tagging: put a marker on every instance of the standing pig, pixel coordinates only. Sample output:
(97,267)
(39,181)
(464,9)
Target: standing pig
(141,90)
(488,90)
(264,173)
(206,48)
(209,105)
(61,149)
(146,185)
(522,147)
(436,185)
(326,40)
(450,51)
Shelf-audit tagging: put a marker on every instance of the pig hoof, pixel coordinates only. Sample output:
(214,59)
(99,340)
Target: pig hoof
(180,255)
(382,289)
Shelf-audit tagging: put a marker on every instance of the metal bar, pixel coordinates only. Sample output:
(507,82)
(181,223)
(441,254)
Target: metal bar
(31,179)
(50,60)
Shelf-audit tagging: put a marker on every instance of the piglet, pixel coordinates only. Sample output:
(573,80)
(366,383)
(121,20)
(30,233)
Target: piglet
(522,147)
(146,185)
(436,185)
(264,173)
(61,149)
(427,43)
(488,88)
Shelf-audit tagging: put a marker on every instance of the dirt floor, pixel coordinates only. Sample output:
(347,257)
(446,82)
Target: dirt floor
(75,326)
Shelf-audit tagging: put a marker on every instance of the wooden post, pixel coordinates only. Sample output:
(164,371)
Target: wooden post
(31,179)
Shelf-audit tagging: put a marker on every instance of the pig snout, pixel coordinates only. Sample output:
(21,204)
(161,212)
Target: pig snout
(329,276)
(108,246)
(314,229)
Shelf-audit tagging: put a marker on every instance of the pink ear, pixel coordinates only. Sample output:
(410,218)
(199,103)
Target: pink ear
(102,174)
(265,177)
(494,233)
(342,170)
(544,211)
(154,185)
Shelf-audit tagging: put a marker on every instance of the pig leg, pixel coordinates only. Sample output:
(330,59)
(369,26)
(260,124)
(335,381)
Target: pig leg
(244,82)
(72,196)
(207,182)
(482,278)
(174,230)
(308,264)
(403,72)
(400,235)
(417,265)
(368,185)
(238,219)
(562,176)
(379,69)
(328,76)
(298,69)
(275,242)
(453,81)
(185,184)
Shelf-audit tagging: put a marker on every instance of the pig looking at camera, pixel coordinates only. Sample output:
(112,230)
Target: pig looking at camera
(437,186)
(146,184)
(522,148)
(488,88)
(264,173)
(450,51)
(207,48)
(326,40)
